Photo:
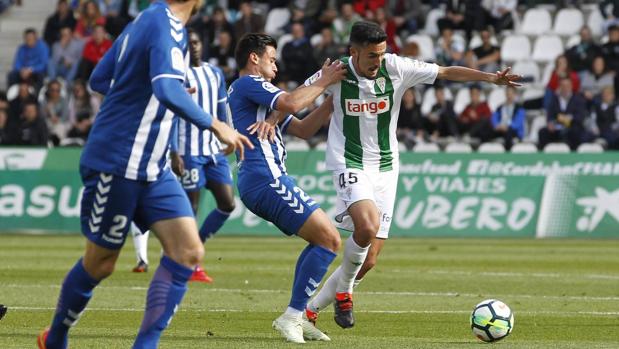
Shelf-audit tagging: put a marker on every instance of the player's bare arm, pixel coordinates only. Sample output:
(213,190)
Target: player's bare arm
(231,138)
(456,73)
(309,125)
(300,98)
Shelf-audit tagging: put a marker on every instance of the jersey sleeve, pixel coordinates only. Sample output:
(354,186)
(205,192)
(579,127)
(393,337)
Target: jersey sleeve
(222,97)
(166,53)
(414,72)
(261,92)
(283,125)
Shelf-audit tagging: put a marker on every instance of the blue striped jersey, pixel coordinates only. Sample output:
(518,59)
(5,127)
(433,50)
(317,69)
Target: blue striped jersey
(131,133)
(211,96)
(251,99)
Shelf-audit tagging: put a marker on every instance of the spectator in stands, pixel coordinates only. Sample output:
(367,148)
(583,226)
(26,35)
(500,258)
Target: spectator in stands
(66,55)
(450,48)
(410,122)
(454,16)
(30,62)
(606,115)
(562,70)
(5,4)
(581,55)
(365,7)
(217,24)
(475,118)
(442,118)
(463,14)
(81,128)
(595,80)
(500,13)
(222,55)
(90,18)
(298,56)
(343,23)
(31,129)
(25,93)
(565,115)
(406,14)
(486,57)
(388,25)
(54,110)
(610,50)
(327,48)
(94,50)
(4,118)
(82,102)
(411,50)
(117,16)
(612,18)
(63,17)
(508,121)
(249,22)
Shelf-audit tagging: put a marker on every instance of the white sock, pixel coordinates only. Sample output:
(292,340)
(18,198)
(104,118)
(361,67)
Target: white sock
(292,312)
(357,282)
(140,242)
(354,256)
(326,295)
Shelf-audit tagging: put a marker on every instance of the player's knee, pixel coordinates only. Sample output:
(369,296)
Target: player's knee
(194,255)
(104,269)
(227,206)
(333,240)
(367,229)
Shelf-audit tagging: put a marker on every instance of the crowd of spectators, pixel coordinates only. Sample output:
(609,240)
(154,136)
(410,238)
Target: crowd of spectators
(48,101)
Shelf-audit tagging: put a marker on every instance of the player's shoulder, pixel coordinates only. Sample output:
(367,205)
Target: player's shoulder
(158,18)
(215,69)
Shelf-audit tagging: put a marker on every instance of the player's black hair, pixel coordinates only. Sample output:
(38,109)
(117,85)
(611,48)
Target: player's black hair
(30,31)
(475,87)
(252,43)
(364,33)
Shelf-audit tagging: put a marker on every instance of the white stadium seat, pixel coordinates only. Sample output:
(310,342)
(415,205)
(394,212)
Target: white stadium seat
(463,98)
(547,48)
(402,147)
(555,148)
(283,40)
(426,148)
(431,26)
(536,21)
(299,145)
(429,99)
(426,46)
(316,39)
(527,69)
(572,41)
(476,41)
(524,148)
(568,21)
(515,48)
(596,23)
(590,148)
(458,148)
(532,92)
(496,98)
(491,148)
(276,19)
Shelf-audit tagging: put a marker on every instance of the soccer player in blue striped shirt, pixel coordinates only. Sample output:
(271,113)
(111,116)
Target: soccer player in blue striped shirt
(124,173)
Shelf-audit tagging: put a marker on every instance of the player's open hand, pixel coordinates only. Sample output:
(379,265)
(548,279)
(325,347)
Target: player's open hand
(178,165)
(265,130)
(231,138)
(333,72)
(505,78)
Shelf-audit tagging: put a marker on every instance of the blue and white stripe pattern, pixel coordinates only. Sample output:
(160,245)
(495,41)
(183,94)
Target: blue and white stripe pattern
(192,141)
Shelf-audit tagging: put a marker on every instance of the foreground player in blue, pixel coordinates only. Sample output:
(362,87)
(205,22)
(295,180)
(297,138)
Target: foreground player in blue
(265,187)
(197,156)
(124,174)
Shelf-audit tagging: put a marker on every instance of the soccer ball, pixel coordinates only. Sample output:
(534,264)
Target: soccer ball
(492,320)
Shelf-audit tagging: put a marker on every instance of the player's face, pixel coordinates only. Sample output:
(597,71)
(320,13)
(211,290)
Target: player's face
(369,58)
(195,47)
(266,64)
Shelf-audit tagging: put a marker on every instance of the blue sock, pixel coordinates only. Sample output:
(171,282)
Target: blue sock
(74,295)
(309,275)
(212,223)
(300,260)
(165,293)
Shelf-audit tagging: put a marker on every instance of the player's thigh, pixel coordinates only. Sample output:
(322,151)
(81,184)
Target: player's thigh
(356,201)
(219,182)
(282,203)
(318,230)
(107,207)
(179,239)
(386,189)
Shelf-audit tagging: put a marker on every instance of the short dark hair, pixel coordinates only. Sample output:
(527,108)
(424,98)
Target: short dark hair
(30,31)
(364,33)
(252,43)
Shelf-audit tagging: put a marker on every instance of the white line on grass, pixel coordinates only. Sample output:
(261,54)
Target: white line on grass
(380,293)
(511,274)
(200,310)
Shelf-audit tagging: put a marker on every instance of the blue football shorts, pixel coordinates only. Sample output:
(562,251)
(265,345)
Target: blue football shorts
(110,203)
(282,203)
(199,170)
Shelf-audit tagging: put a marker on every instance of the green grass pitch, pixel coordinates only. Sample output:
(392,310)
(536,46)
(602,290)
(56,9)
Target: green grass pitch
(564,293)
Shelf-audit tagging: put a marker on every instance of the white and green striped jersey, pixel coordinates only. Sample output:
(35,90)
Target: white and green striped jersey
(362,133)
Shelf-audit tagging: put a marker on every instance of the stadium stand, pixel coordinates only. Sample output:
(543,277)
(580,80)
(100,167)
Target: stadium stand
(529,39)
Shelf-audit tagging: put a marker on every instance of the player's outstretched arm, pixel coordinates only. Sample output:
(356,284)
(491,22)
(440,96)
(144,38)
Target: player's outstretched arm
(101,77)
(300,98)
(463,74)
(309,125)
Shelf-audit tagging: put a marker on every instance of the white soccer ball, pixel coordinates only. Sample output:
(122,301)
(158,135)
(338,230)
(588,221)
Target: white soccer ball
(492,320)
